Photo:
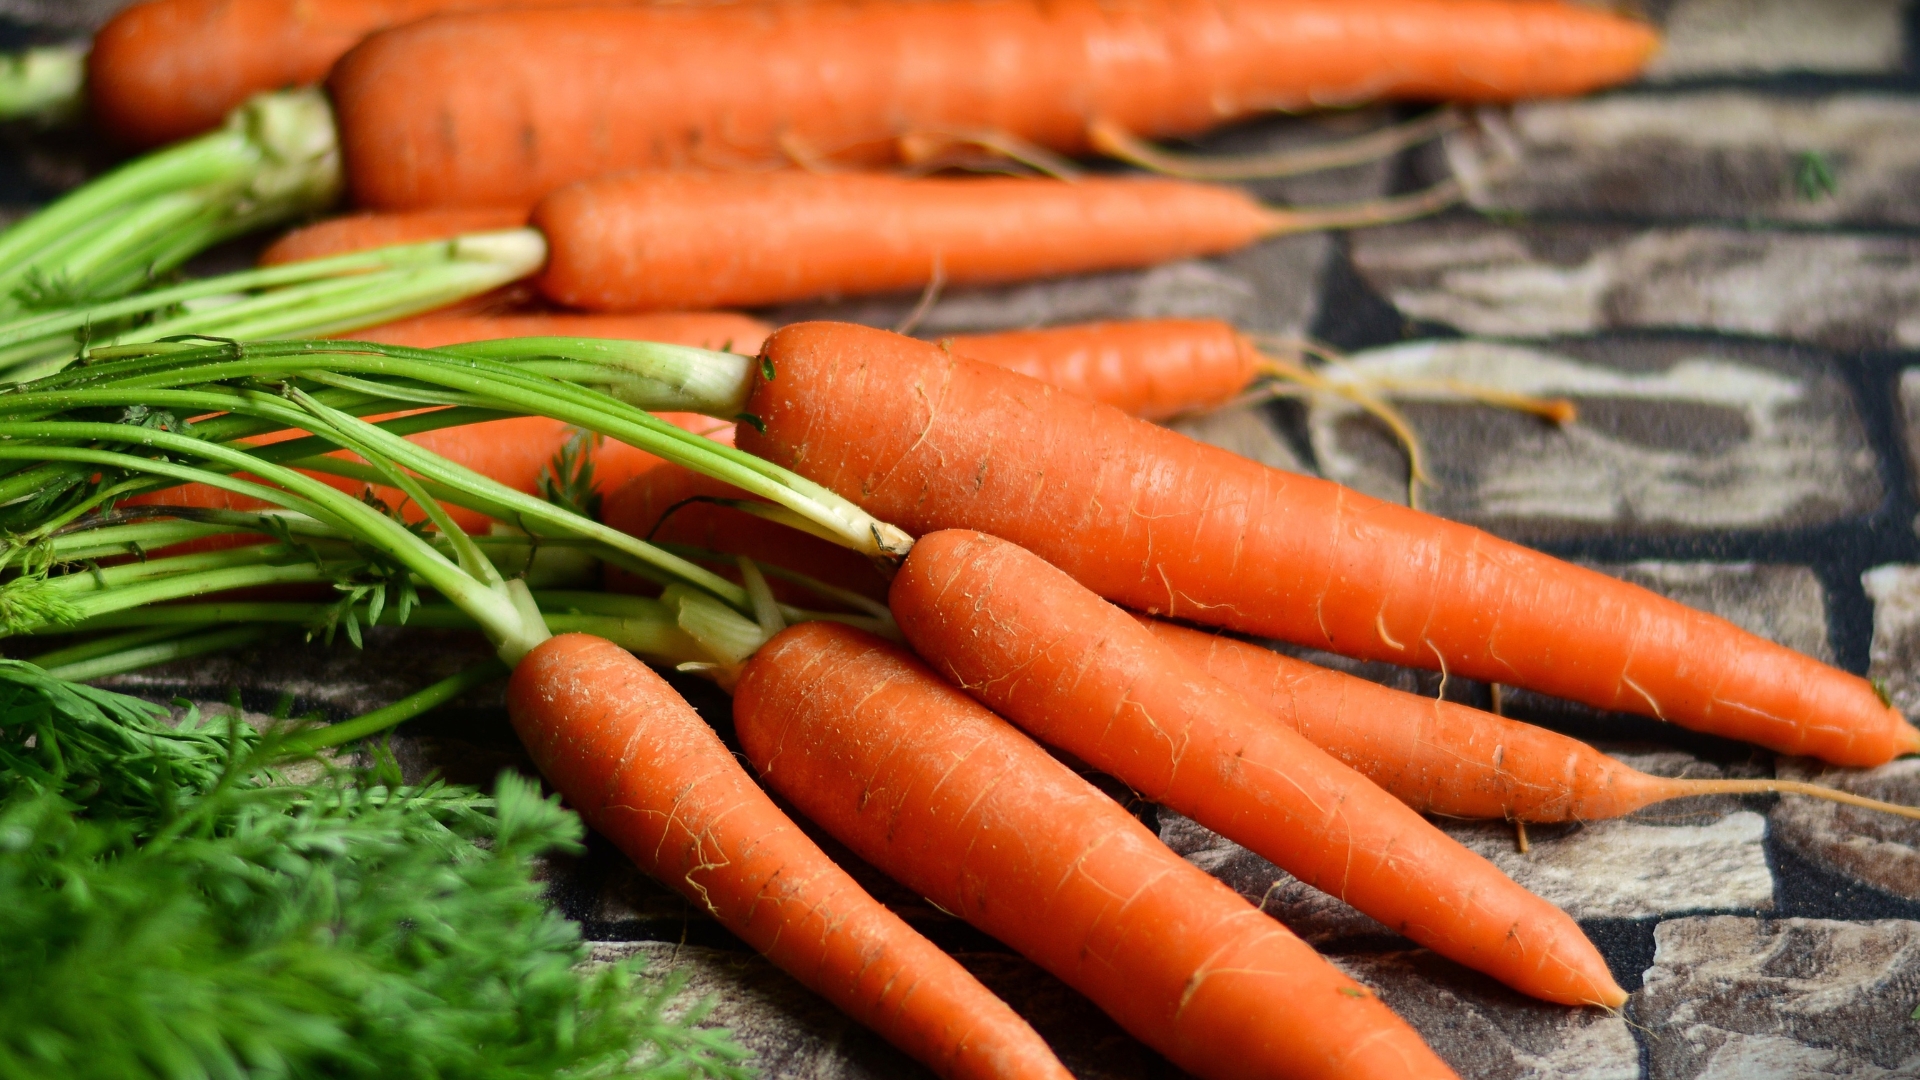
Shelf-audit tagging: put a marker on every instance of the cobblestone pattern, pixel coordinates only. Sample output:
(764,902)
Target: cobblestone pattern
(1719,268)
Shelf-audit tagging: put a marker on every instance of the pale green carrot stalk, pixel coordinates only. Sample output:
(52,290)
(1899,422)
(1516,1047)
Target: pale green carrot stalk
(276,158)
(45,84)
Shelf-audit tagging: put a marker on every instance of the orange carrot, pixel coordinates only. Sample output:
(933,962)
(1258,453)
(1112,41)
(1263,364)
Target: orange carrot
(1150,368)
(166,69)
(725,331)
(667,504)
(500,108)
(958,806)
(349,233)
(648,241)
(1447,759)
(1076,672)
(1151,519)
(647,773)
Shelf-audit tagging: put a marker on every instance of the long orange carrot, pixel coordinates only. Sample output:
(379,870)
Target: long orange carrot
(647,241)
(1151,519)
(1076,672)
(646,772)
(958,806)
(1150,368)
(166,69)
(501,108)
(1447,759)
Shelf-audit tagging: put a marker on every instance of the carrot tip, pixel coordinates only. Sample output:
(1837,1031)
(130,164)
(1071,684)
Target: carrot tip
(1909,742)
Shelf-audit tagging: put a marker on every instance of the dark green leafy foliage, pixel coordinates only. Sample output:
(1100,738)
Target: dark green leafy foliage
(166,910)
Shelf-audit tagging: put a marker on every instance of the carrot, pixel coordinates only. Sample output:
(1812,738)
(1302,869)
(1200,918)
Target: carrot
(350,233)
(663,240)
(500,108)
(958,806)
(1151,519)
(1447,759)
(1076,672)
(646,772)
(1150,368)
(166,69)
(669,504)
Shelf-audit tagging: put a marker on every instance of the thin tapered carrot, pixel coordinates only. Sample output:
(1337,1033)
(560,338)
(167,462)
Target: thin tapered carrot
(647,241)
(1444,758)
(350,233)
(1149,518)
(1150,368)
(166,69)
(501,108)
(1076,672)
(671,504)
(646,772)
(954,803)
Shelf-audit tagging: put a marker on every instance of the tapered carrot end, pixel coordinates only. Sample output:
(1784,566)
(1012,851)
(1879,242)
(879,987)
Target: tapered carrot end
(1907,741)
(1614,995)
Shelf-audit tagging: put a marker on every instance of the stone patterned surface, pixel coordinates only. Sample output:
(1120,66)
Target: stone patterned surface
(1846,290)
(1488,1032)
(1730,155)
(1759,482)
(1742,999)
(1706,38)
(1672,435)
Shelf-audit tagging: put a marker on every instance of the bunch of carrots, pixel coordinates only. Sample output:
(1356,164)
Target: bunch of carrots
(914,564)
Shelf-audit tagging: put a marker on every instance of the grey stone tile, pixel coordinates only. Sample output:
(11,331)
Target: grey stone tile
(1246,430)
(339,680)
(1673,436)
(1731,998)
(795,1033)
(75,17)
(1489,1032)
(1315,916)
(1706,38)
(1726,155)
(1910,429)
(1846,290)
(1624,869)
(1878,849)
(791,1031)
(1782,603)
(1894,656)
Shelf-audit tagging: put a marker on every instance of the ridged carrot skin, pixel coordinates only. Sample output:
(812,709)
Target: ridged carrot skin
(1150,368)
(167,69)
(647,773)
(651,241)
(501,108)
(1149,518)
(365,231)
(636,508)
(1436,756)
(951,801)
(1078,673)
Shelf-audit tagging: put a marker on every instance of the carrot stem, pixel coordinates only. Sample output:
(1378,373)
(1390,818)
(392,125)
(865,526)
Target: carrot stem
(275,158)
(43,84)
(162,652)
(1115,141)
(388,716)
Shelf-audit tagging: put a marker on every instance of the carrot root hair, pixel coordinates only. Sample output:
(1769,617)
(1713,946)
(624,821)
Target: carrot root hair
(1283,360)
(1682,788)
(1117,142)
(930,149)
